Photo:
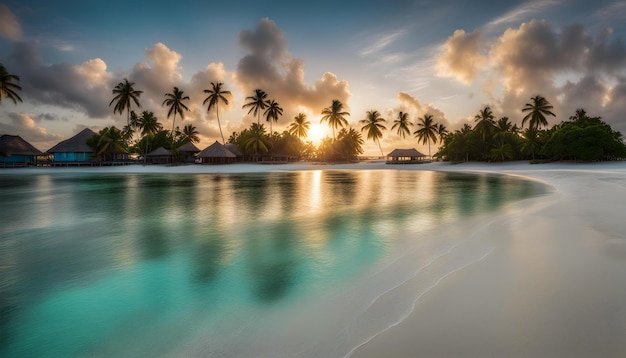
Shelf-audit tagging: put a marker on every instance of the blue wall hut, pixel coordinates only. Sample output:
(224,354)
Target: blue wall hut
(74,149)
(15,151)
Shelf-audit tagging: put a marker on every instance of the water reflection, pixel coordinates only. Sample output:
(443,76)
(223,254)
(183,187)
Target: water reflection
(233,240)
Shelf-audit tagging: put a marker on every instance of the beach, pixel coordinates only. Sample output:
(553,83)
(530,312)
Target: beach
(555,285)
(546,277)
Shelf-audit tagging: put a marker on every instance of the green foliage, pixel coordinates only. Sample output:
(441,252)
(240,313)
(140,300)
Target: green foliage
(108,144)
(587,139)
(8,89)
(581,138)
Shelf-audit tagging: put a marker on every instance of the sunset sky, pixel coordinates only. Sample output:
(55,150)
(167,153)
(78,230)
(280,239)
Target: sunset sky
(446,58)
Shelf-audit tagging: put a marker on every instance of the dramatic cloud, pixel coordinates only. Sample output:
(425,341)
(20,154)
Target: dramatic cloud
(155,77)
(10,28)
(530,60)
(25,126)
(80,87)
(270,67)
(567,65)
(462,56)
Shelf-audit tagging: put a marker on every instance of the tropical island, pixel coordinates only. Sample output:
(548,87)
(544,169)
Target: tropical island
(580,138)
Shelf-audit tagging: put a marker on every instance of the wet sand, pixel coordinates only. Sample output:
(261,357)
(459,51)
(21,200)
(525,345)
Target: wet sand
(555,285)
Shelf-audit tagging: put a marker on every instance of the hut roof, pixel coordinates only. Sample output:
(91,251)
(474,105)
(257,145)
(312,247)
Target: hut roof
(216,150)
(75,144)
(405,153)
(234,148)
(159,152)
(15,145)
(188,147)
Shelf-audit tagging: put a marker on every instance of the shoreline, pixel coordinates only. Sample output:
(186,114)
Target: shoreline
(550,284)
(239,168)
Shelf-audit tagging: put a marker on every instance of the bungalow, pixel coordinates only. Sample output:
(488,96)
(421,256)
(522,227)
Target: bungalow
(15,151)
(159,156)
(234,148)
(73,150)
(188,152)
(216,153)
(405,156)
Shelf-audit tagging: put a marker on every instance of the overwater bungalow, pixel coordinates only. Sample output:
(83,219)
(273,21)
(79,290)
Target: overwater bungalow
(16,152)
(73,150)
(216,153)
(405,156)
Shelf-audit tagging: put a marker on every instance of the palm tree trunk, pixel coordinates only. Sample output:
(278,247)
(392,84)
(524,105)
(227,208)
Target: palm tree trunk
(381,148)
(217,113)
(172,132)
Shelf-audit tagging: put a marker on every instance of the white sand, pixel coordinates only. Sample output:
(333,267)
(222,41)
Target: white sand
(554,284)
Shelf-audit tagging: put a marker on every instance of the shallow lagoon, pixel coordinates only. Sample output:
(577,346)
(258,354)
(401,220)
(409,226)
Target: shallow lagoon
(158,264)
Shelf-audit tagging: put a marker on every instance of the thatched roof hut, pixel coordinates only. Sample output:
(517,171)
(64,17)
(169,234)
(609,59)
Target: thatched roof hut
(159,156)
(16,151)
(188,152)
(74,149)
(405,156)
(216,153)
(188,148)
(234,148)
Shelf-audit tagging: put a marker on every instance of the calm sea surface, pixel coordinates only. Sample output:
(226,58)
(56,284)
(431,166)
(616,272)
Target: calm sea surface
(159,264)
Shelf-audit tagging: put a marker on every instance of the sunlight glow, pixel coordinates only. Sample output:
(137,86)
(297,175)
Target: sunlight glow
(317,132)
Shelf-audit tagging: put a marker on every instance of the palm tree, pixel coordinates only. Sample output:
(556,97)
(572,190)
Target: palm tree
(466,128)
(189,134)
(300,126)
(537,111)
(335,115)
(374,127)
(501,151)
(427,130)
(272,112)
(125,95)
(255,140)
(442,132)
(174,101)
(215,96)
(531,142)
(580,114)
(7,87)
(109,140)
(149,126)
(484,122)
(256,103)
(349,143)
(403,124)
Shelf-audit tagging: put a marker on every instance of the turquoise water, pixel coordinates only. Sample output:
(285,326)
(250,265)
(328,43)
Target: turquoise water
(154,264)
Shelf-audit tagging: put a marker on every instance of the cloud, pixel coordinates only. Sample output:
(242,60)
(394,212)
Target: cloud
(80,87)
(416,109)
(535,57)
(461,56)
(269,66)
(381,43)
(157,76)
(527,10)
(10,27)
(26,127)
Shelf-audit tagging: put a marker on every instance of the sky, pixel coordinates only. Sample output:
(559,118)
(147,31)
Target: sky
(446,58)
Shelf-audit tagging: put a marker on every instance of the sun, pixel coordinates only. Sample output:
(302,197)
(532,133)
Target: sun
(317,132)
